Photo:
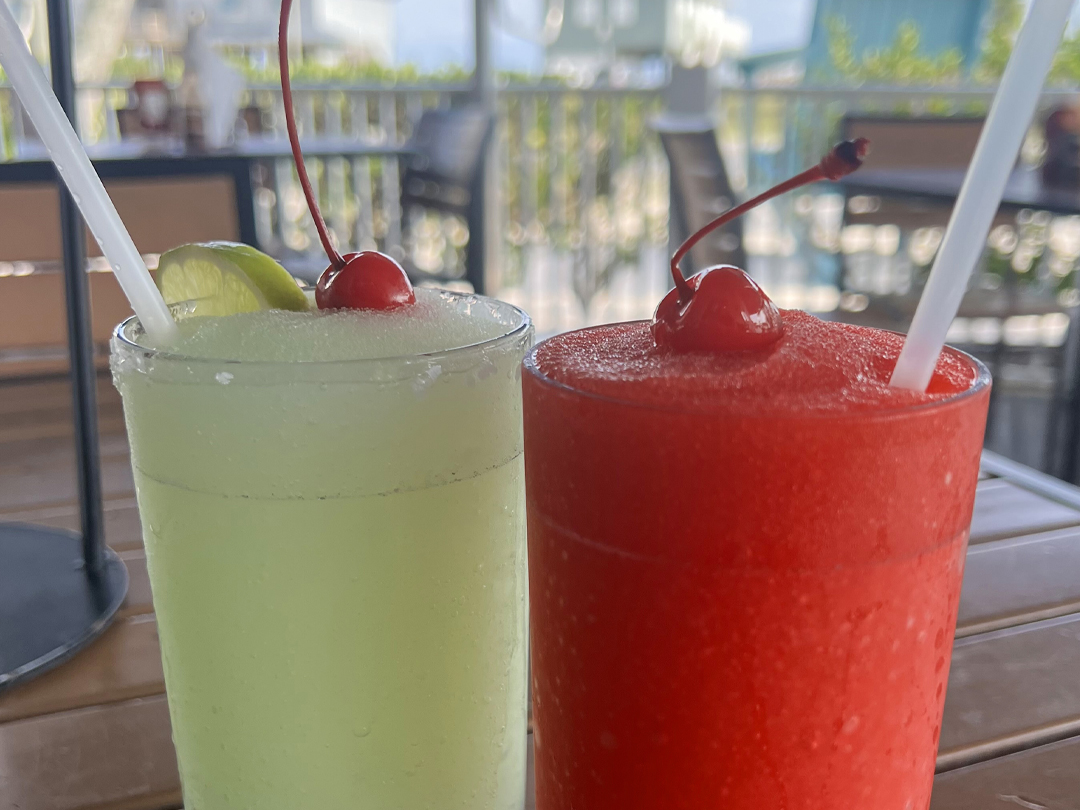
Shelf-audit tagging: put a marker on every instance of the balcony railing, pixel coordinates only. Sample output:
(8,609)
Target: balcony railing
(580,188)
(580,194)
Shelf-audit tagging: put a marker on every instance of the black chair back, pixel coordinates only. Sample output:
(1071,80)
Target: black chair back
(448,148)
(700,192)
(444,173)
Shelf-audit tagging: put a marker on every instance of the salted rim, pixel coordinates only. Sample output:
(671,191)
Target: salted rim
(522,327)
(982,381)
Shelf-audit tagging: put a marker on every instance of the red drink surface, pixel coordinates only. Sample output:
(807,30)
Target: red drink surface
(744,569)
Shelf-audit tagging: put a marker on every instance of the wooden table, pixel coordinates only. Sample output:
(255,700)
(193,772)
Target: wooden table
(94,733)
(1024,189)
(140,159)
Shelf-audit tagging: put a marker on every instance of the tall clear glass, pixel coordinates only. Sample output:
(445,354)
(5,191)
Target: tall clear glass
(337,557)
(741,608)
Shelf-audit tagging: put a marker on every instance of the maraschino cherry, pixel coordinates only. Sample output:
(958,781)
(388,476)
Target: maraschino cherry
(367,280)
(722,309)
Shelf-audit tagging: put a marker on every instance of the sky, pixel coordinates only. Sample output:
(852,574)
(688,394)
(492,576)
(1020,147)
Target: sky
(775,25)
(433,33)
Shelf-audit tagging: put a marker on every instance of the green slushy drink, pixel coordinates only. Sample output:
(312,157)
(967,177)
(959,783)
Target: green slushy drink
(332,505)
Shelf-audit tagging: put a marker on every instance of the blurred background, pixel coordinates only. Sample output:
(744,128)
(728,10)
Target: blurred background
(552,152)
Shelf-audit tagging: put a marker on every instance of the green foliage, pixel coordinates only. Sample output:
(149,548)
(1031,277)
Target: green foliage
(7,129)
(1005,20)
(306,70)
(315,71)
(1066,69)
(902,62)
(128,68)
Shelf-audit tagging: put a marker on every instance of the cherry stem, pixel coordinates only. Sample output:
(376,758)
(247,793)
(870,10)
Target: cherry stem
(844,158)
(294,139)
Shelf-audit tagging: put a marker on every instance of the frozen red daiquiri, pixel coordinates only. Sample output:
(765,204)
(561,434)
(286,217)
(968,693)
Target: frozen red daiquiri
(745,555)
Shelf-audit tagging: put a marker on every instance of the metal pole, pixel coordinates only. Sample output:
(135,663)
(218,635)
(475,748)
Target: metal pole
(77,296)
(483,78)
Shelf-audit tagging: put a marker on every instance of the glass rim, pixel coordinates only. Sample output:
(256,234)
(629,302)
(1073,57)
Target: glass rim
(981,382)
(510,333)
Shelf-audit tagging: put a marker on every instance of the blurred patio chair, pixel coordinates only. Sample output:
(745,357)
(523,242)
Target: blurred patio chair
(700,192)
(1061,445)
(443,176)
(1028,403)
(901,143)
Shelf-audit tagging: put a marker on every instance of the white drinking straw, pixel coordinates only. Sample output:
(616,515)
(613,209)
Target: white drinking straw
(75,168)
(980,195)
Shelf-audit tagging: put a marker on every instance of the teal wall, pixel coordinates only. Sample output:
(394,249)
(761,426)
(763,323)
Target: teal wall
(943,24)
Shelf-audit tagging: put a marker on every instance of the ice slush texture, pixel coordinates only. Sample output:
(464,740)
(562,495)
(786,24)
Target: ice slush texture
(816,367)
(431,325)
(744,570)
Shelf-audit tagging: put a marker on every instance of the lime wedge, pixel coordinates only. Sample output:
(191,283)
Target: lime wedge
(226,278)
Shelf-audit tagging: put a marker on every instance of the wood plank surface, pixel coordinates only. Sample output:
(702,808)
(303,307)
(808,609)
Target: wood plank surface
(1044,778)
(123,531)
(1010,690)
(1020,580)
(42,486)
(115,757)
(37,459)
(138,600)
(1003,510)
(124,663)
(41,408)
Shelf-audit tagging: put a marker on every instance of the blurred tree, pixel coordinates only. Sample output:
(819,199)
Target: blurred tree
(902,62)
(128,67)
(1005,20)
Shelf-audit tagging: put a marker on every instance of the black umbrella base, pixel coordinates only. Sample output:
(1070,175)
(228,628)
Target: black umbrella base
(50,607)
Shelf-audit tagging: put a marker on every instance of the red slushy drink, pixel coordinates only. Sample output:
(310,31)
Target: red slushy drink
(744,568)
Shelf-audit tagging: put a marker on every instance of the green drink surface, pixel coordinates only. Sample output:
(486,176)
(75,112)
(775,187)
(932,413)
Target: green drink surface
(433,324)
(336,551)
